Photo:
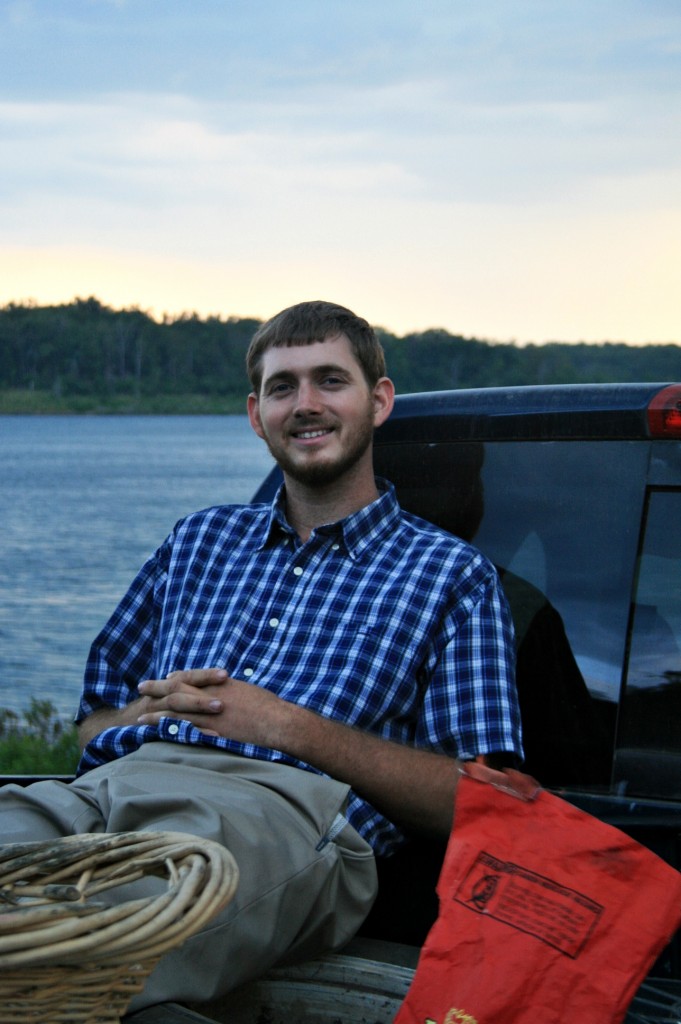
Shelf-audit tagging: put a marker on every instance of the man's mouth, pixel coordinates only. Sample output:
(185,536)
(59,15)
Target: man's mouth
(310,435)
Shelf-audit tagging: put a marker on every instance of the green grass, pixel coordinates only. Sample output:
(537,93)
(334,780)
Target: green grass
(40,743)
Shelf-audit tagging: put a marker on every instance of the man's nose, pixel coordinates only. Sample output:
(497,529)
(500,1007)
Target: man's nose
(308,399)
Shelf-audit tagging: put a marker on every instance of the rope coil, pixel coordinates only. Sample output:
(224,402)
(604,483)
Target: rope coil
(68,953)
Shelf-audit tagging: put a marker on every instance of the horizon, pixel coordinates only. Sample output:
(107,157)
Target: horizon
(166,317)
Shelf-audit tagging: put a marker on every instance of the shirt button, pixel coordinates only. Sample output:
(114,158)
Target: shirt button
(274,623)
(297,571)
(248,672)
(335,547)
(173,729)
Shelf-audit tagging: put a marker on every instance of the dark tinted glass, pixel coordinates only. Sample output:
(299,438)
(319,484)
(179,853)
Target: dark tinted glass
(561,521)
(649,740)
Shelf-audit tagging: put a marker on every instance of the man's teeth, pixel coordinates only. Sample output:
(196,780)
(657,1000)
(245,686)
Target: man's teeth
(307,434)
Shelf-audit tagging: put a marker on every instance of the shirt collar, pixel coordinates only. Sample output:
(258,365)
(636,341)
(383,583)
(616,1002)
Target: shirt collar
(357,531)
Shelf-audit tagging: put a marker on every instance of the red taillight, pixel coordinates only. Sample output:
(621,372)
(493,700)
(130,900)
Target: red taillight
(664,412)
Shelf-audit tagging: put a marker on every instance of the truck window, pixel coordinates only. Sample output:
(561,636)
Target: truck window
(648,759)
(561,521)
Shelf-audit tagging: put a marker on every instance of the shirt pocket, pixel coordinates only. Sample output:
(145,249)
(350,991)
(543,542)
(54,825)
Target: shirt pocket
(381,664)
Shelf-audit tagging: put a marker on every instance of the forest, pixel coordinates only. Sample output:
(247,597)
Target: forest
(87,357)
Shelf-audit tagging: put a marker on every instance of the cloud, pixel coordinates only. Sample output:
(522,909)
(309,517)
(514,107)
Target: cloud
(455,155)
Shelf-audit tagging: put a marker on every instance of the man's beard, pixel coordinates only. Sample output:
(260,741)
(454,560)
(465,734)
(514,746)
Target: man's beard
(319,474)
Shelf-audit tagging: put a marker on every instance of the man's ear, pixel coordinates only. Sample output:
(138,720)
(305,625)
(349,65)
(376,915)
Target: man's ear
(384,399)
(253,407)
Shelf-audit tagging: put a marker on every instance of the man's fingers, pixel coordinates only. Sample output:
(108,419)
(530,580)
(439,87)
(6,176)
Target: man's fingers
(180,706)
(182,701)
(198,676)
(175,682)
(180,694)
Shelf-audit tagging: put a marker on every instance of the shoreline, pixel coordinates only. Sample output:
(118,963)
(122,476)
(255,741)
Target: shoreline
(44,403)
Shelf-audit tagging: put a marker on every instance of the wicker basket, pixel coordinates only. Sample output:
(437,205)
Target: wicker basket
(67,954)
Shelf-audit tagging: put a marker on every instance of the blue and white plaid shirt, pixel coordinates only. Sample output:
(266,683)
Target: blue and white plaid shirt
(381,621)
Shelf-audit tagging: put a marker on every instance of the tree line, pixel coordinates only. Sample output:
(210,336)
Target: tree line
(86,355)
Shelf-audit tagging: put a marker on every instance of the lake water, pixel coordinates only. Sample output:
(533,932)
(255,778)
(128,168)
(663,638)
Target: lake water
(83,502)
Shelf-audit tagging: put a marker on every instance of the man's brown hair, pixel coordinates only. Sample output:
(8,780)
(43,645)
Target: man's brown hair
(307,322)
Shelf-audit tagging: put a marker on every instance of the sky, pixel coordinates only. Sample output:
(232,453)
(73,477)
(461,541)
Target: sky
(503,169)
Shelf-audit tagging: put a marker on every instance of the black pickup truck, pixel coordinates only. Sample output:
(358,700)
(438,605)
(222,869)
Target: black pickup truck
(574,493)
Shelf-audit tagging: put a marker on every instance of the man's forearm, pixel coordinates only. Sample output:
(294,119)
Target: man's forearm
(415,788)
(105,718)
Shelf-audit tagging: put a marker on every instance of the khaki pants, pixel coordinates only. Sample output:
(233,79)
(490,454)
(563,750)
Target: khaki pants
(298,895)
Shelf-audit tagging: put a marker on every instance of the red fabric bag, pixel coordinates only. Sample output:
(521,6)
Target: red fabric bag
(547,915)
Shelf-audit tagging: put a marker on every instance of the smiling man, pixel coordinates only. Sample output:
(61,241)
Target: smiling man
(316,406)
(299,680)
